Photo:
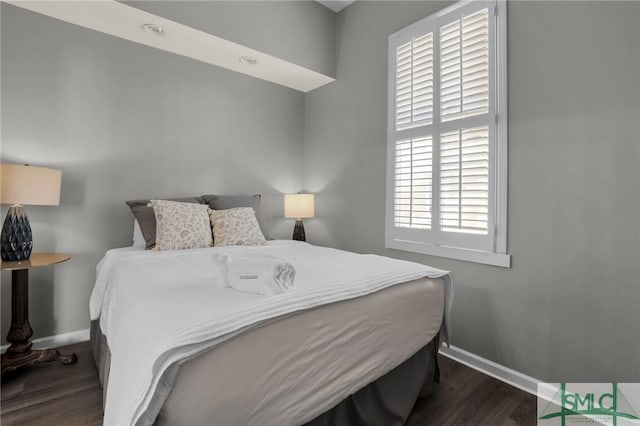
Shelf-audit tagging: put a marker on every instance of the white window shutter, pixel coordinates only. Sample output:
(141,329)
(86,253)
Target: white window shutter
(414,82)
(413,179)
(464,181)
(464,66)
(423,79)
(404,75)
(446,190)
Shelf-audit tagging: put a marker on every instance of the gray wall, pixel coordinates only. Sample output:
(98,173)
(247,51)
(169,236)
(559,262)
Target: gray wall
(301,32)
(124,121)
(569,308)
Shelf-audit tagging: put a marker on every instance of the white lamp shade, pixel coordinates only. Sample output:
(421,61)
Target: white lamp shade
(29,185)
(299,206)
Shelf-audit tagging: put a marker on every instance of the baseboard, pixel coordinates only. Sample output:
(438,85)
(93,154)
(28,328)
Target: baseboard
(58,340)
(490,368)
(495,370)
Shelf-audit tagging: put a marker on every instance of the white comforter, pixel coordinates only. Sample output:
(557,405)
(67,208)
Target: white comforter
(157,309)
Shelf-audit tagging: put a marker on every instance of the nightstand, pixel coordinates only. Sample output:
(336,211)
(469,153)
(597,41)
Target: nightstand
(20,354)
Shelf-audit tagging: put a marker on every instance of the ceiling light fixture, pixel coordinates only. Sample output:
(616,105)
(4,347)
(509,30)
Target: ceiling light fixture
(249,60)
(153,29)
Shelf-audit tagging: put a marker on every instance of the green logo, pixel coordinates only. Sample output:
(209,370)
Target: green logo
(594,403)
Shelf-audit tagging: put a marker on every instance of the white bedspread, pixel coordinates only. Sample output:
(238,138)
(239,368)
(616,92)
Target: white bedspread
(157,309)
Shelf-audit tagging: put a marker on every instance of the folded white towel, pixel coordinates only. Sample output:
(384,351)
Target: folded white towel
(259,273)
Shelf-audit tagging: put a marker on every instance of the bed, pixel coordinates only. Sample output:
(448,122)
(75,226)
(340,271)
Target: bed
(354,342)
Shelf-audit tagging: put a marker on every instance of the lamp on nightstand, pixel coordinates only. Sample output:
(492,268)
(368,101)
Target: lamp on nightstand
(24,185)
(298,207)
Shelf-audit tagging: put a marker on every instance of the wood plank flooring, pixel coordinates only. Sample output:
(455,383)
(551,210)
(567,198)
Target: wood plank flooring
(53,394)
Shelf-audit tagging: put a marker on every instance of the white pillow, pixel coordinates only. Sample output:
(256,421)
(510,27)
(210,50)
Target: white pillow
(181,225)
(236,227)
(138,239)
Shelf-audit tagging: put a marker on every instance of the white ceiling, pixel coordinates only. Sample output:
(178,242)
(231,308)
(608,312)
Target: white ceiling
(335,5)
(120,20)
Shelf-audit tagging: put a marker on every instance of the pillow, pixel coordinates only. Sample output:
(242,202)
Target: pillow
(181,225)
(236,227)
(138,239)
(143,212)
(224,202)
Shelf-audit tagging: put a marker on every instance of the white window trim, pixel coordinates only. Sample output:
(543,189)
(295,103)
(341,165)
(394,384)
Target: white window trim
(498,256)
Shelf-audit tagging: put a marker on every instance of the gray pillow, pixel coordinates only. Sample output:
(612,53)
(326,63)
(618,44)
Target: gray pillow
(147,219)
(223,202)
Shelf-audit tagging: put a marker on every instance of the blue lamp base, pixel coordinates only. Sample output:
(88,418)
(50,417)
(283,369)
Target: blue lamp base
(298,231)
(16,239)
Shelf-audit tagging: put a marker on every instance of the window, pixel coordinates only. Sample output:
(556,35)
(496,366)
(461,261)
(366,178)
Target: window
(447,129)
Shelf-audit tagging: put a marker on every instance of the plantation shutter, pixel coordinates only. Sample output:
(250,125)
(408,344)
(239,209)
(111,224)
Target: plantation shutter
(464,181)
(464,66)
(412,204)
(414,82)
(464,150)
(442,136)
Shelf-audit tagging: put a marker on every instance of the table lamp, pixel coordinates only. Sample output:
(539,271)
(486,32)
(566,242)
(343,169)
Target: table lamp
(298,207)
(24,185)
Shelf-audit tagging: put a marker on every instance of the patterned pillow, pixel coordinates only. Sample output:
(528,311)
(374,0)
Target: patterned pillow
(181,225)
(236,227)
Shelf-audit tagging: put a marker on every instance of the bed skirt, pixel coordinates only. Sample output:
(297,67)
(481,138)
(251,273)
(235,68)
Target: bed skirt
(386,401)
(390,399)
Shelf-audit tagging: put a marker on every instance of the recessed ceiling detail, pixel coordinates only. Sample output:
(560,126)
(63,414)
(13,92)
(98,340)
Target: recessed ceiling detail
(120,20)
(249,60)
(335,5)
(153,29)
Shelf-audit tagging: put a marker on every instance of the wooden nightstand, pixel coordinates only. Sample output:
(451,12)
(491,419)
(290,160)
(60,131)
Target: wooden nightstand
(20,354)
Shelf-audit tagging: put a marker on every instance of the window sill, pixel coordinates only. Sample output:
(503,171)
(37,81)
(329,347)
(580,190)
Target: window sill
(488,258)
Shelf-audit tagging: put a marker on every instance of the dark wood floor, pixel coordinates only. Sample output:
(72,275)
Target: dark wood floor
(53,394)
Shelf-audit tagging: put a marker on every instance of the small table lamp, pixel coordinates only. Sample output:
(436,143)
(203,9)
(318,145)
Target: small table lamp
(299,206)
(24,185)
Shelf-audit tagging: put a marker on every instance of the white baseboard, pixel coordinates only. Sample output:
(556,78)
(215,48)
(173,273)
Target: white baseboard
(490,368)
(58,340)
(495,370)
